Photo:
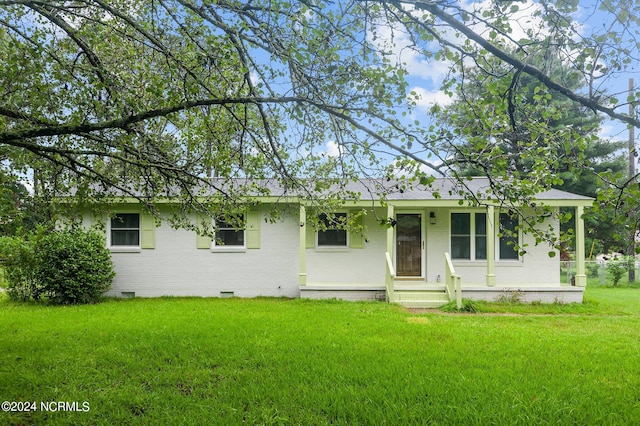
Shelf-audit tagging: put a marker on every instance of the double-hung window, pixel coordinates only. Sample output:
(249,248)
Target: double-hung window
(469,236)
(508,237)
(332,232)
(229,232)
(125,230)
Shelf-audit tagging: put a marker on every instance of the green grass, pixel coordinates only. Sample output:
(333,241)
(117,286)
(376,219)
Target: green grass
(275,361)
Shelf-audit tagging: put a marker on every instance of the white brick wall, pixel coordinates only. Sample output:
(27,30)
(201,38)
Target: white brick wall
(351,266)
(175,267)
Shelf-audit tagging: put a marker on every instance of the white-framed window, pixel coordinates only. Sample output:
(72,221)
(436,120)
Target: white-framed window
(332,232)
(230,232)
(124,230)
(509,237)
(469,235)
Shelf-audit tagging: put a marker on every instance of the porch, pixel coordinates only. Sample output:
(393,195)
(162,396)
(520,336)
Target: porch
(433,295)
(390,263)
(421,294)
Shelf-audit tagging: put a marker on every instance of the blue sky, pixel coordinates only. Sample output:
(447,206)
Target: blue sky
(426,76)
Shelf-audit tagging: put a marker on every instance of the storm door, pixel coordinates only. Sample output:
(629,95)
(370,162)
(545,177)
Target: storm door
(409,245)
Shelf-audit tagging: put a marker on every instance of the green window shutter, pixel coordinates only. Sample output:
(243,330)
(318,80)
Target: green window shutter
(203,241)
(253,230)
(356,237)
(310,230)
(148,231)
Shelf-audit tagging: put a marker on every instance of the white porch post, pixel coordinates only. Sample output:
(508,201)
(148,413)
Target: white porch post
(302,275)
(390,242)
(491,246)
(581,277)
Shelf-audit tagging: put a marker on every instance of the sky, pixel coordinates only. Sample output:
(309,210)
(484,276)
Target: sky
(427,76)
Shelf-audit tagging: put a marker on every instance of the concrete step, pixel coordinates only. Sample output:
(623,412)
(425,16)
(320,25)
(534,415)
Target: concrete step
(420,295)
(415,298)
(420,286)
(417,303)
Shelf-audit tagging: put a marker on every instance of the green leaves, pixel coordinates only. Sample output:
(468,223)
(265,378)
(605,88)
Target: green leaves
(73,266)
(153,99)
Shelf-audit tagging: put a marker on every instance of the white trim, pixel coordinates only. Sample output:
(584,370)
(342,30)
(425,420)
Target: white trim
(482,263)
(423,243)
(125,248)
(236,248)
(334,248)
(472,236)
(228,249)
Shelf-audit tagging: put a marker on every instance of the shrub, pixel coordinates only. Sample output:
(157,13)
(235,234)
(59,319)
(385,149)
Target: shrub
(593,269)
(468,305)
(620,266)
(73,266)
(18,262)
(510,296)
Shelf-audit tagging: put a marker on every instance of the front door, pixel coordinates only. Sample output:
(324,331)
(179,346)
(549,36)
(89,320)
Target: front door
(409,245)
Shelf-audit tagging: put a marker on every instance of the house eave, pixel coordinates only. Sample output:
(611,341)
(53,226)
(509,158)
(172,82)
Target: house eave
(404,203)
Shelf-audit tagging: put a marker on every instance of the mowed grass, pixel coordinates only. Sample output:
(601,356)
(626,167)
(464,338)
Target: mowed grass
(274,361)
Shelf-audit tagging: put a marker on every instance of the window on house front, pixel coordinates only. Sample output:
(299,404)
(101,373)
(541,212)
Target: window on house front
(332,232)
(469,236)
(125,229)
(229,232)
(509,237)
(481,235)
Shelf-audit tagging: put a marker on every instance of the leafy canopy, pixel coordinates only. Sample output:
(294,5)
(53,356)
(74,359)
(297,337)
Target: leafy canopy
(152,99)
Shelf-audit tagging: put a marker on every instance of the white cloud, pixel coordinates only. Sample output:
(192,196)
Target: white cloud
(429,98)
(613,130)
(394,41)
(333,149)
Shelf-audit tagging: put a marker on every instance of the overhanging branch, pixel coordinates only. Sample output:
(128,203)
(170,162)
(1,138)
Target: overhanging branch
(592,104)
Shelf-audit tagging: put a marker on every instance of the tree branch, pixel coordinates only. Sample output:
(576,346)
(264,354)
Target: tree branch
(592,104)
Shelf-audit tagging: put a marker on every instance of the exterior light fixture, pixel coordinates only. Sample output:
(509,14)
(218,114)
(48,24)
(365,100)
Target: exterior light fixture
(432,218)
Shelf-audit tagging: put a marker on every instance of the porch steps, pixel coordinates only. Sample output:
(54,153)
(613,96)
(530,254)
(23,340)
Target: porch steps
(416,298)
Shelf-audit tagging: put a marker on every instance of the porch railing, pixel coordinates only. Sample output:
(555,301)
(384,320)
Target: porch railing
(389,277)
(453,282)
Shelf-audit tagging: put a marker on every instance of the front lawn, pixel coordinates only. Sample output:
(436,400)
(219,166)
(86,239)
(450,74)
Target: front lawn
(274,361)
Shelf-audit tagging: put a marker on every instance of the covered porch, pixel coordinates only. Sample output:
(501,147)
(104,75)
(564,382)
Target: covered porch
(419,272)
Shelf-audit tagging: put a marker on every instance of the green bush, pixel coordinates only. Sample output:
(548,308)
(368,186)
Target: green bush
(510,296)
(468,305)
(620,266)
(73,266)
(18,264)
(593,269)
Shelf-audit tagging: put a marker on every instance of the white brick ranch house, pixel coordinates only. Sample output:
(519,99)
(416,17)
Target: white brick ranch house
(439,248)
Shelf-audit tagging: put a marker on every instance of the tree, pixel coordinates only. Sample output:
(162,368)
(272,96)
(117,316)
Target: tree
(534,116)
(576,163)
(12,196)
(145,98)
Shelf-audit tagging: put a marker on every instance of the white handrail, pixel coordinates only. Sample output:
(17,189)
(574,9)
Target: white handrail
(453,282)
(389,277)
